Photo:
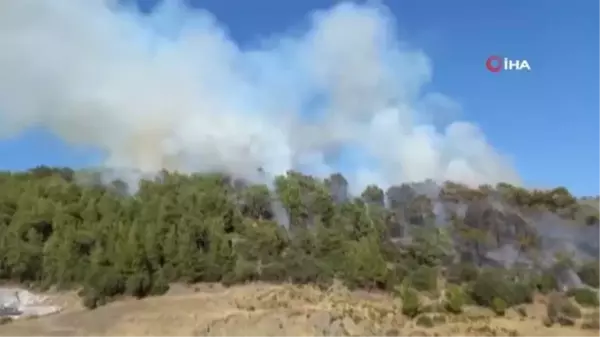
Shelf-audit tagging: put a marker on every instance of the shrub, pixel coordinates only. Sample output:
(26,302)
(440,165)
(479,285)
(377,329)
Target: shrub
(90,300)
(160,285)
(411,305)
(424,278)
(455,299)
(273,272)
(585,297)
(589,274)
(499,306)
(520,292)
(546,282)
(138,285)
(462,272)
(493,284)
(489,285)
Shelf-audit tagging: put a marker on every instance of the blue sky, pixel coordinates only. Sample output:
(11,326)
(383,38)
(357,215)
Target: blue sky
(546,119)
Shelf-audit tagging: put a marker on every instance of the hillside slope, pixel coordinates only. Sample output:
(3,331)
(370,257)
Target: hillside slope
(260,309)
(498,247)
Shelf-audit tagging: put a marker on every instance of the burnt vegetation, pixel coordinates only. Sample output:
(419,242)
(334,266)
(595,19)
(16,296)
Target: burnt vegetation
(65,229)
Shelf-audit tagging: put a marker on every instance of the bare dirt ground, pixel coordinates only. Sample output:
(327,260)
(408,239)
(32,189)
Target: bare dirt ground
(270,310)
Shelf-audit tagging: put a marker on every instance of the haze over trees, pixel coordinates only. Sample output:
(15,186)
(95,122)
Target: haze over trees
(497,244)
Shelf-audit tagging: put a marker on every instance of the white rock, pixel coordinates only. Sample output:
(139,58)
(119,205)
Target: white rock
(24,302)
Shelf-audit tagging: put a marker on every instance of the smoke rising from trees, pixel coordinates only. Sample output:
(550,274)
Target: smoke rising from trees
(172,90)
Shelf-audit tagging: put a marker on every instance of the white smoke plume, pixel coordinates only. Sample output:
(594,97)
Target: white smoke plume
(173,90)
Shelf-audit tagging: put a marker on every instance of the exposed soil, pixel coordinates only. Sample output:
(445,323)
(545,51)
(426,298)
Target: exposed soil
(270,310)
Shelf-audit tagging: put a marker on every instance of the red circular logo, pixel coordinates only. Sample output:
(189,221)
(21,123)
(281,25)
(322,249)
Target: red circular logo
(494,64)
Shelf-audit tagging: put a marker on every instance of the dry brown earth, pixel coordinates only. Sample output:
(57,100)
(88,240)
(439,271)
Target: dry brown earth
(275,310)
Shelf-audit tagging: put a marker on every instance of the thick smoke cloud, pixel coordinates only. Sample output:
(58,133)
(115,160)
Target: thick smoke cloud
(172,90)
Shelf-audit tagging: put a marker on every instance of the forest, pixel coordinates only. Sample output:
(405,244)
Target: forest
(73,230)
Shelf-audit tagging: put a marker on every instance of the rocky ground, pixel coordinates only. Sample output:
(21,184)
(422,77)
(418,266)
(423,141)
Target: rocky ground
(16,302)
(259,309)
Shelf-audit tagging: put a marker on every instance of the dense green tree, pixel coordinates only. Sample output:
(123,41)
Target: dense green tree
(76,229)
